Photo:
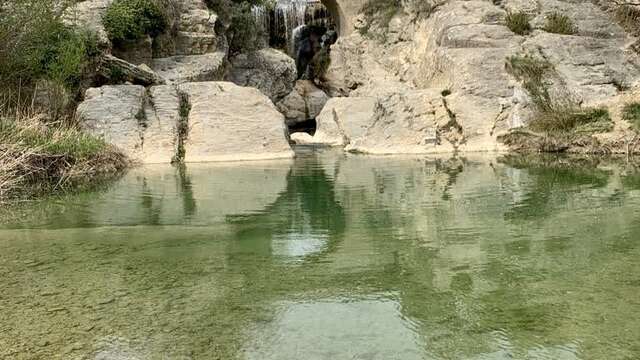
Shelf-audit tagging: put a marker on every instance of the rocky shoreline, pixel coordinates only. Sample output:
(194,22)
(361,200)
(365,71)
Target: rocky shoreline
(436,81)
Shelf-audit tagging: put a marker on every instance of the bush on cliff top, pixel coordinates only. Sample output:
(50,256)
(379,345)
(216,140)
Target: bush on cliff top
(133,19)
(35,45)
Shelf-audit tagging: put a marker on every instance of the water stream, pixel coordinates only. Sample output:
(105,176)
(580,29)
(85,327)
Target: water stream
(331,256)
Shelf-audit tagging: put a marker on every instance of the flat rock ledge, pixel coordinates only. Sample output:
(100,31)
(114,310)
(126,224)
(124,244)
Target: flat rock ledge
(194,122)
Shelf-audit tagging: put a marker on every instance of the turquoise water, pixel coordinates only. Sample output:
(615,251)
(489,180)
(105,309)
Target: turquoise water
(331,256)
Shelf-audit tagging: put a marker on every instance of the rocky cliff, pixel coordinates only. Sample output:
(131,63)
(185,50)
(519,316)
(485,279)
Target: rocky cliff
(410,76)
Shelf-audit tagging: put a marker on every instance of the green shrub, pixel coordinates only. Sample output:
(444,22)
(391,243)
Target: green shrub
(518,22)
(559,24)
(37,45)
(532,72)
(631,113)
(133,19)
(558,119)
(554,115)
(243,33)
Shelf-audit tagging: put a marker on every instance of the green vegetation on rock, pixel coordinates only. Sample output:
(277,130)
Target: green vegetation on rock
(378,15)
(518,22)
(243,33)
(631,113)
(133,19)
(559,24)
(36,45)
(36,156)
(560,119)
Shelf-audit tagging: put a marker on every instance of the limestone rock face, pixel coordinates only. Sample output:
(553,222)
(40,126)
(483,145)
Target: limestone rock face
(181,69)
(120,115)
(305,102)
(408,123)
(196,29)
(461,47)
(88,15)
(271,71)
(229,122)
(344,119)
(226,122)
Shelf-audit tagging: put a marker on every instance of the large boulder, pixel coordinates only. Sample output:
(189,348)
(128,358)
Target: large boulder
(415,122)
(343,120)
(304,103)
(194,122)
(123,116)
(271,71)
(229,122)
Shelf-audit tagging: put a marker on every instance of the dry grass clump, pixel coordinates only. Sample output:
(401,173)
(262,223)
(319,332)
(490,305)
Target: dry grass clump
(518,22)
(36,156)
(559,24)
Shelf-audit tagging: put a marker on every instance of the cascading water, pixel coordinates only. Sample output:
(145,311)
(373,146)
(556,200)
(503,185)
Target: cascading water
(289,16)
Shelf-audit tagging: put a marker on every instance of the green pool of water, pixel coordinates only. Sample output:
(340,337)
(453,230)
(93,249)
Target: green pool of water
(330,256)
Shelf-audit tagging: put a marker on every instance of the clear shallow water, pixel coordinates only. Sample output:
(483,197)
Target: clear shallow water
(331,257)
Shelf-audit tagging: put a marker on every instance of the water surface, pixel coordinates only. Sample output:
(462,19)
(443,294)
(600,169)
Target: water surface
(331,256)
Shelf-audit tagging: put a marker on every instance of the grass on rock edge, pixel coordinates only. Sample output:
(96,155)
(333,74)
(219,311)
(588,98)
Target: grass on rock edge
(36,158)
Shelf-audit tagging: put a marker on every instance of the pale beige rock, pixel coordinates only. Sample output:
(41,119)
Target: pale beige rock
(462,47)
(88,15)
(302,138)
(196,29)
(143,128)
(114,113)
(229,122)
(408,123)
(305,102)
(181,69)
(271,71)
(343,120)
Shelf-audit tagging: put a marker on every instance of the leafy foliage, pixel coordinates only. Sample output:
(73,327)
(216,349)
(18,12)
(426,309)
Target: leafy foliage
(134,19)
(243,33)
(35,44)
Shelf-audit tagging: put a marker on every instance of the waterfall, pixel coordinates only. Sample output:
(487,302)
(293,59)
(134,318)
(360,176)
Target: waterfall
(261,16)
(290,15)
(287,19)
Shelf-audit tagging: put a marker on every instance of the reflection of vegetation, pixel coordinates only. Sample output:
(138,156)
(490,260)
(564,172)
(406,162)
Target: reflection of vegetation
(555,179)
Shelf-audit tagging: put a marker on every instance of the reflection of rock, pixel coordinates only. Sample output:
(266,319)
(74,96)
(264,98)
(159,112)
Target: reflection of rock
(363,328)
(229,122)
(199,194)
(271,71)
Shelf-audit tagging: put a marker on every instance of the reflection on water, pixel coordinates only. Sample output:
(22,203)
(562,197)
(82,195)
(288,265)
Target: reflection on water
(330,256)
